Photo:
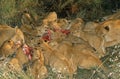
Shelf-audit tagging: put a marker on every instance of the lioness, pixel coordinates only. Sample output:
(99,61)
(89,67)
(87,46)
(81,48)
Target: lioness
(113,16)
(101,35)
(80,54)
(6,32)
(56,60)
(51,17)
(109,31)
(67,55)
(91,37)
(35,63)
(13,43)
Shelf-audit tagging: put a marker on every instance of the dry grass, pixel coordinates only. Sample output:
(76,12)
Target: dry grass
(8,71)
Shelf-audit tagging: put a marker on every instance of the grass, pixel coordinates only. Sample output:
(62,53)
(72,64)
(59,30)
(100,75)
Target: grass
(8,71)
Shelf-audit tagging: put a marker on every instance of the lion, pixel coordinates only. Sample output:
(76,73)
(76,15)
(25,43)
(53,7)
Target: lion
(63,23)
(6,32)
(15,64)
(113,16)
(90,26)
(80,54)
(56,60)
(38,68)
(12,40)
(13,43)
(102,35)
(109,31)
(78,29)
(36,63)
(51,17)
(51,20)
(66,57)
(7,48)
(19,36)
(35,58)
(29,58)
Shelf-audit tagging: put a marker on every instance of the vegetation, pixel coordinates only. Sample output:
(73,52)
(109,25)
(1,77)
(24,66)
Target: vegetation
(11,11)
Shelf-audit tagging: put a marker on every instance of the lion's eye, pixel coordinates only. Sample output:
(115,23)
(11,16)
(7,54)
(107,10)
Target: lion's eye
(106,28)
(9,41)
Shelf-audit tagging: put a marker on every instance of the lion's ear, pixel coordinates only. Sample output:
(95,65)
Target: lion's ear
(16,28)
